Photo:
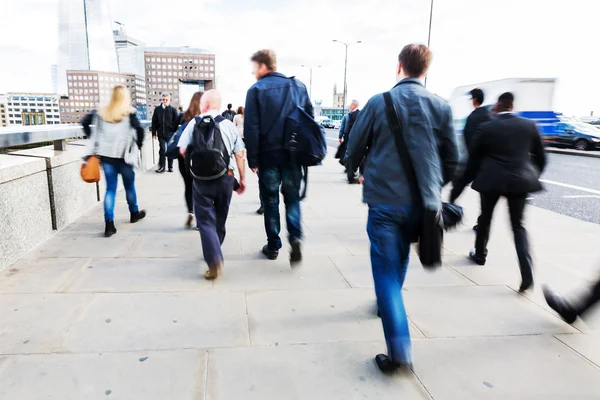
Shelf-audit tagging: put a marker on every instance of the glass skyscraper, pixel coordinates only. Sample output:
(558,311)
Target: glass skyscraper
(85,39)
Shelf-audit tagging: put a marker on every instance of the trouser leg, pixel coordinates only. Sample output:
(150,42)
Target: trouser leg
(516,207)
(222,202)
(290,188)
(206,220)
(270,182)
(128,174)
(488,203)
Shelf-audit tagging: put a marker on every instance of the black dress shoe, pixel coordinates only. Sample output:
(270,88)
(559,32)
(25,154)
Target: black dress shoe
(296,253)
(136,216)
(477,259)
(170,169)
(385,364)
(558,304)
(270,253)
(260,211)
(475,228)
(525,285)
(110,229)
(160,170)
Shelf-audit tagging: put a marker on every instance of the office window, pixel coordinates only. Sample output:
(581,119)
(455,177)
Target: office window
(147,59)
(164,60)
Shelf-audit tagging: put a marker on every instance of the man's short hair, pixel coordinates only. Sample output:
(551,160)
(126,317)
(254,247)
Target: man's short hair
(166,95)
(506,101)
(415,60)
(477,94)
(229,106)
(266,57)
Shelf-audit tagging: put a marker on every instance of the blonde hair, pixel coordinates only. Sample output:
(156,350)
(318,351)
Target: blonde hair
(119,106)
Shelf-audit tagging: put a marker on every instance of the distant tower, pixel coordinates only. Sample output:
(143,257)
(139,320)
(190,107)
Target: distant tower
(338,98)
(85,39)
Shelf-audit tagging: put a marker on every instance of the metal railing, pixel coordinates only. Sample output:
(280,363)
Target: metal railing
(13,136)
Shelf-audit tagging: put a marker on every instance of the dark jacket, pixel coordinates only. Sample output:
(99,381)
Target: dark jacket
(229,114)
(352,116)
(507,157)
(429,134)
(164,122)
(268,103)
(478,116)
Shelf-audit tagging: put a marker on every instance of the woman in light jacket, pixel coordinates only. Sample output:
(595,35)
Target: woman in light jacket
(117,129)
(238,121)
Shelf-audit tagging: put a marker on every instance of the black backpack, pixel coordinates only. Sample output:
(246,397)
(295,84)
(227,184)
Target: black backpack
(209,159)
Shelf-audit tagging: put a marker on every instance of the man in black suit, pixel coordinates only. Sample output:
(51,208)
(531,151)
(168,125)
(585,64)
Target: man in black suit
(165,122)
(507,159)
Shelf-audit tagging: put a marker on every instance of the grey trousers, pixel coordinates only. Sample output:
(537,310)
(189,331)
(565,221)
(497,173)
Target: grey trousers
(211,206)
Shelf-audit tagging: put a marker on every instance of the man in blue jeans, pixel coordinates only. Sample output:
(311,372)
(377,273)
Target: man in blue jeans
(268,103)
(393,217)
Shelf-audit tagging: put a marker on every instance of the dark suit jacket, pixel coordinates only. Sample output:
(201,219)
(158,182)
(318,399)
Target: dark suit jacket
(164,122)
(507,157)
(478,116)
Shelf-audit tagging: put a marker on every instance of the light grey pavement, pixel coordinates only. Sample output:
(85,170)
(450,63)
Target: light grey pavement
(130,317)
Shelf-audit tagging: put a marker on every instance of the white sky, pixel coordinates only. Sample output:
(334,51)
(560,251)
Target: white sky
(472,41)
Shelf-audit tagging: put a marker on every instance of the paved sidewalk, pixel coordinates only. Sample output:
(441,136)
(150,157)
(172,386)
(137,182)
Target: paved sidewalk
(130,317)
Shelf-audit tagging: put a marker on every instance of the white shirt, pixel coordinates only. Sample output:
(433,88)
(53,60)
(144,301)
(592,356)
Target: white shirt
(231,138)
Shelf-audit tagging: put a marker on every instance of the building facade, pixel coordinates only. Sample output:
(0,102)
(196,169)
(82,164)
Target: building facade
(85,39)
(333,113)
(90,89)
(175,71)
(122,39)
(338,98)
(29,109)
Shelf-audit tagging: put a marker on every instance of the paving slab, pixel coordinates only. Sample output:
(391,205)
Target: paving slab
(160,321)
(357,271)
(472,311)
(320,372)
(315,272)
(33,323)
(184,244)
(84,246)
(127,275)
(588,345)
(153,375)
(314,316)
(40,275)
(515,368)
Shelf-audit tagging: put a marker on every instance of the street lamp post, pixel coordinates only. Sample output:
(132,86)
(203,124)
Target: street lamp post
(429,33)
(345,71)
(310,84)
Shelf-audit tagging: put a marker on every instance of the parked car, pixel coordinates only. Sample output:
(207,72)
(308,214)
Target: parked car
(327,123)
(337,123)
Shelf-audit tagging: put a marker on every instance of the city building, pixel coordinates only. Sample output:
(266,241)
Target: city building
(338,98)
(177,71)
(90,89)
(29,109)
(3,120)
(85,39)
(333,113)
(122,39)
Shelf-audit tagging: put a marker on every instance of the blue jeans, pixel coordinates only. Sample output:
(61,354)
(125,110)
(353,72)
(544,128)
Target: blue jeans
(288,177)
(112,169)
(389,229)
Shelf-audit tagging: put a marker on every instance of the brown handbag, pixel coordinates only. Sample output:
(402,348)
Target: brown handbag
(90,170)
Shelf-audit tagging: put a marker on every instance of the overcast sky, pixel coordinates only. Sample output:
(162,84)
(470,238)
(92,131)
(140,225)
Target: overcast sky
(472,41)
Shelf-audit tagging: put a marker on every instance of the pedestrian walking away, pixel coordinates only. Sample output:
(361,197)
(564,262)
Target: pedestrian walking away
(215,149)
(345,128)
(164,123)
(507,159)
(118,133)
(268,104)
(192,111)
(394,213)
(479,116)
(229,113)
(238,121)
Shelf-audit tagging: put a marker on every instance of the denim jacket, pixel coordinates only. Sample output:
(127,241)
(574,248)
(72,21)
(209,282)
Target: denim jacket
(428,130)
(268,103)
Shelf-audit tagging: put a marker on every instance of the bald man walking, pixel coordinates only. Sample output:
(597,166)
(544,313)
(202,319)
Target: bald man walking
(214,144)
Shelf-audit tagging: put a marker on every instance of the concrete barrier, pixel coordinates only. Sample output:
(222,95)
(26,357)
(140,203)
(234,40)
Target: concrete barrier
(70,196)
(25,211)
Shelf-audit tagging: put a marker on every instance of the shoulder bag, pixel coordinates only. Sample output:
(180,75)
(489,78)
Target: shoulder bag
(430,231)
(90,169)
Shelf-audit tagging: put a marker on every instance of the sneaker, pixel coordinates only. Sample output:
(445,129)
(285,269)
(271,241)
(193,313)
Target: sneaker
(110,229)
(189,221)
(260,211)
(270,253)
(296,253)
(136,216)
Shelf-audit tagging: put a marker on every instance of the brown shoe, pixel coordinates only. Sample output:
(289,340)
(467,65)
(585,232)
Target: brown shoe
(189,220)
(213,272)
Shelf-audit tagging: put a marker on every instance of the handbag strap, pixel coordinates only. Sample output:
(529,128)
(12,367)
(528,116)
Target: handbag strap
(405,158)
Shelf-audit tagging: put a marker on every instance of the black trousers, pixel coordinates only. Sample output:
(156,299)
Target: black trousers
(162,150)
(516,207)
(188,181)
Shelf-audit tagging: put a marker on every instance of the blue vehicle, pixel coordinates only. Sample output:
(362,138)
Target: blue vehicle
(533,100)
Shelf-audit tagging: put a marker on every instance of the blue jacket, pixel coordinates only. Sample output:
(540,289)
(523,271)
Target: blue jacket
(268,103)
(429,134)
